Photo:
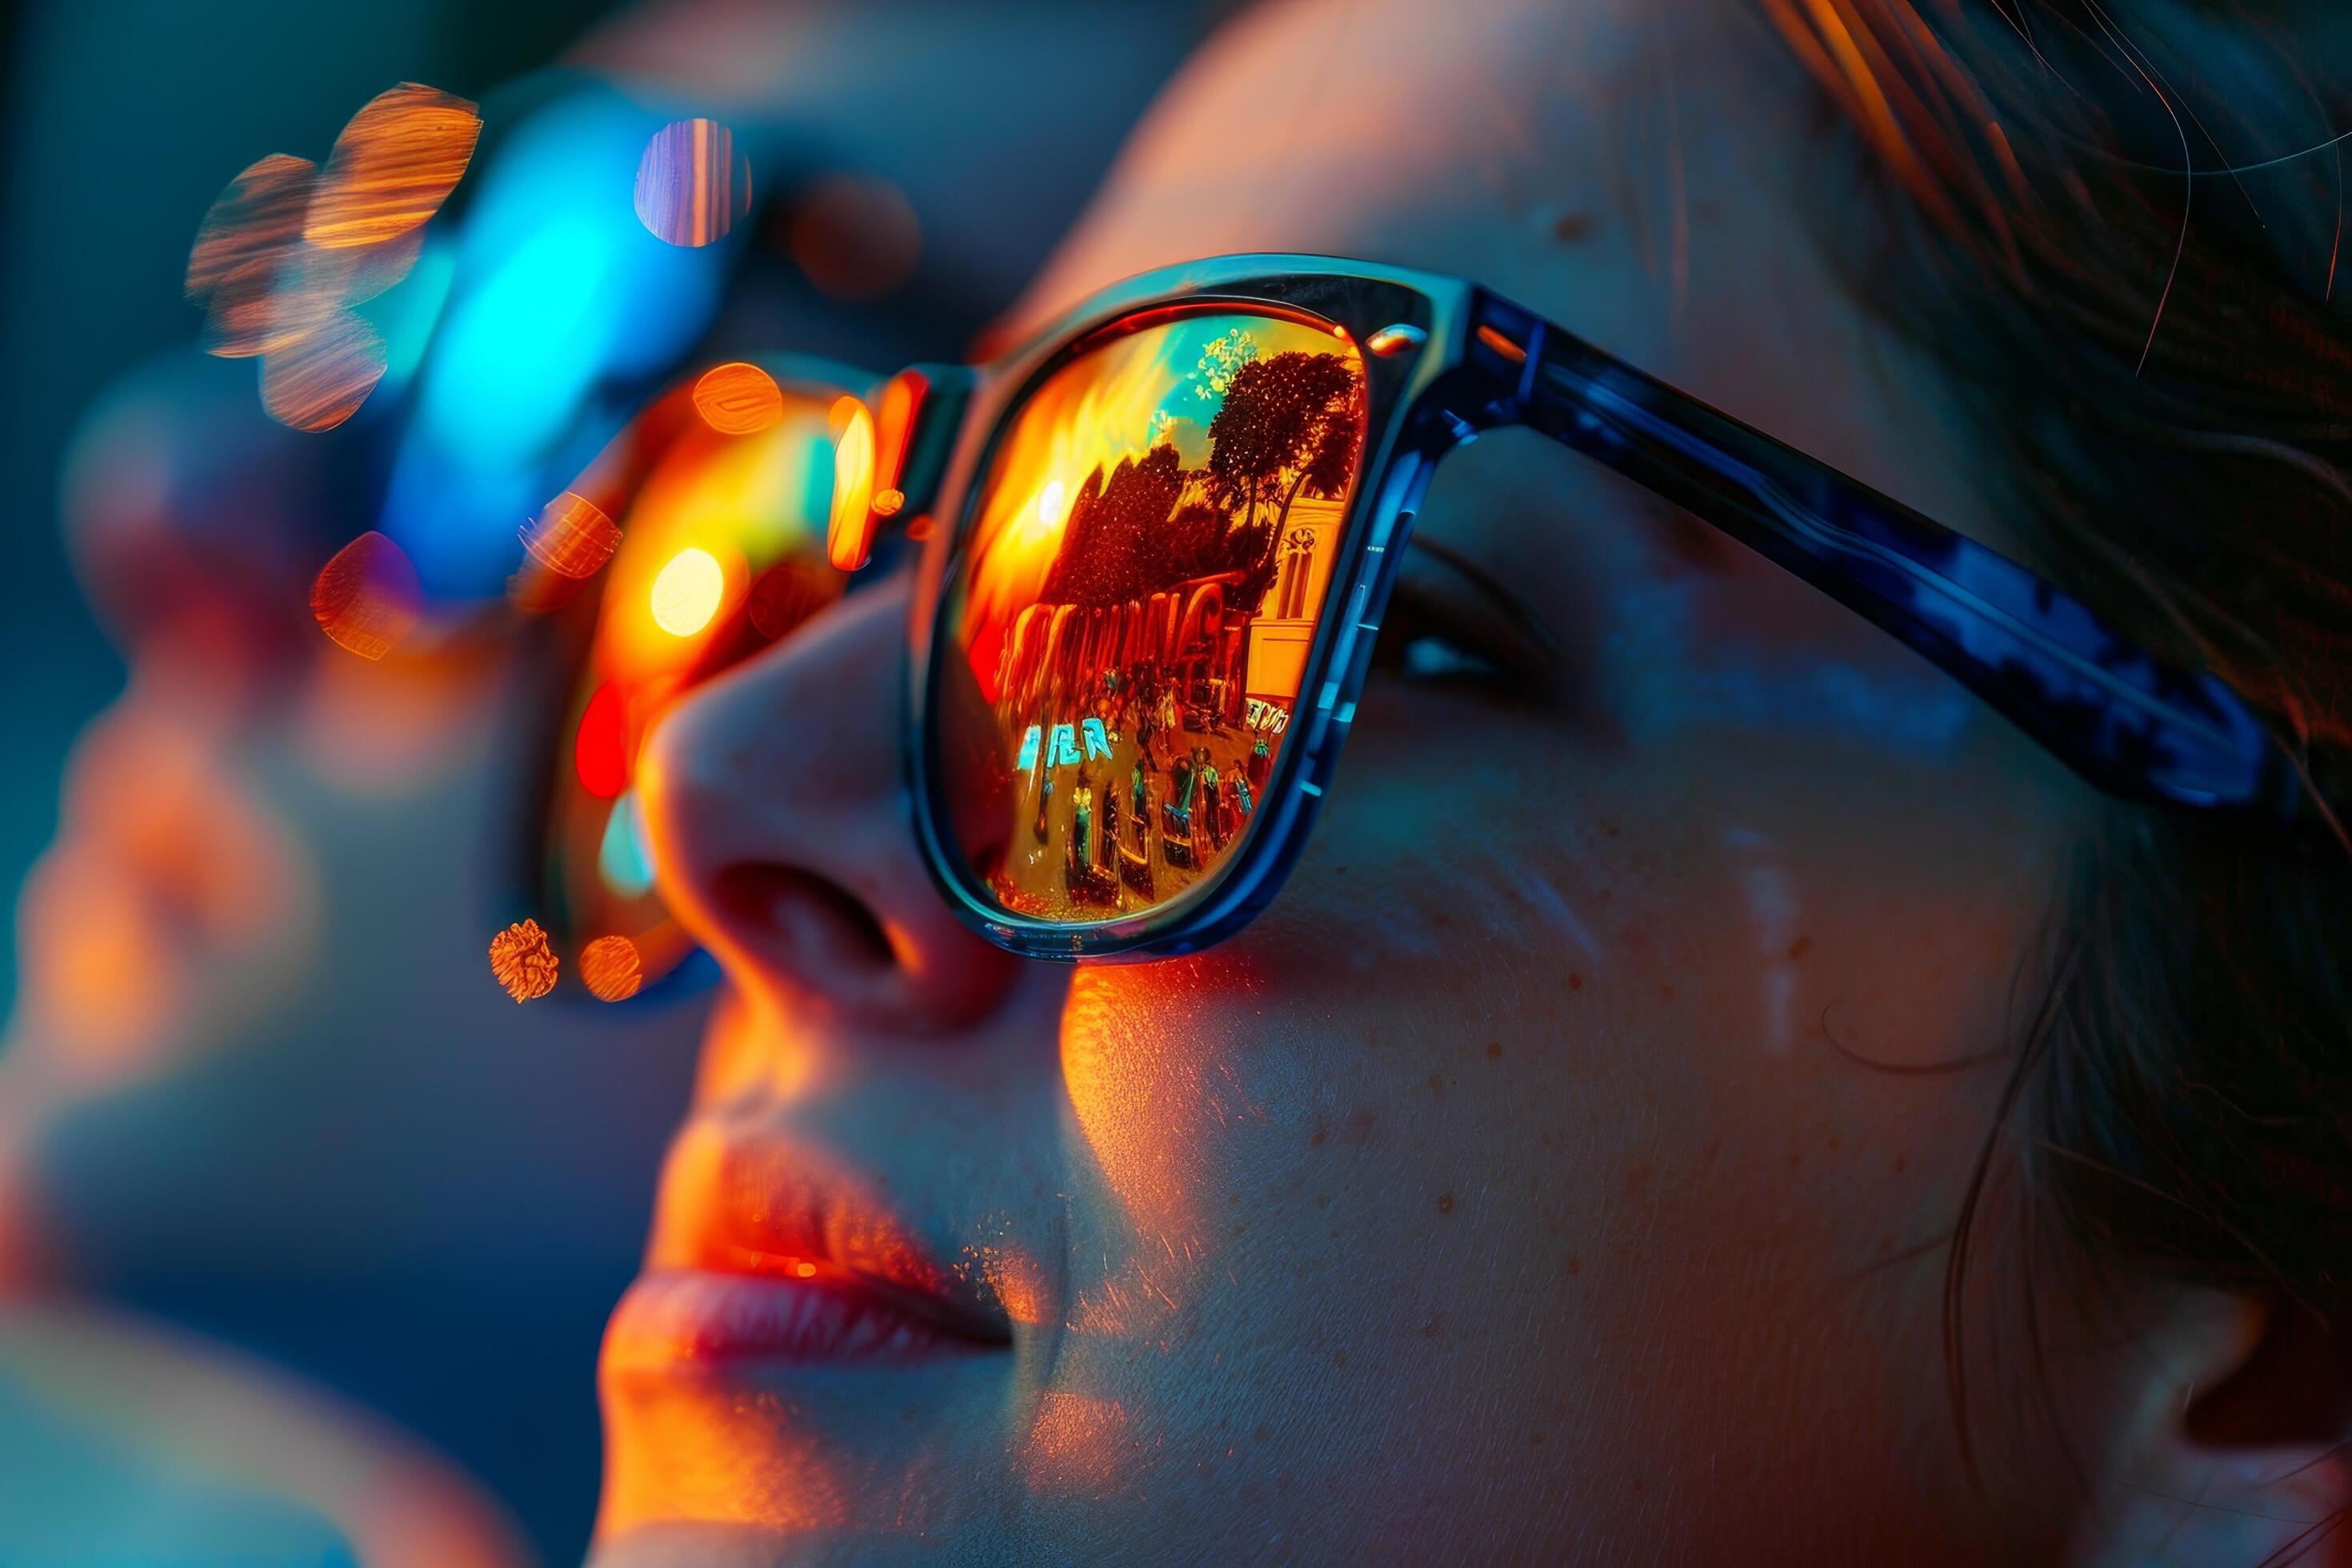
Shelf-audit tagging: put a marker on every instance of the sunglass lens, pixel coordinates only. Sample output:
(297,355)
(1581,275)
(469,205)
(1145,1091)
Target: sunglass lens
(1130,608)
(721,554)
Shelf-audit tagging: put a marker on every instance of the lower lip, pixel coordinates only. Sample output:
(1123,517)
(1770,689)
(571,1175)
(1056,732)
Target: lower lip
(688,1318)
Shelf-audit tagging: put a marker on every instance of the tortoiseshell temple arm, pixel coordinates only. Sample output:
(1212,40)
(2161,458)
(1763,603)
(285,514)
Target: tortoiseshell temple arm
(2126,723)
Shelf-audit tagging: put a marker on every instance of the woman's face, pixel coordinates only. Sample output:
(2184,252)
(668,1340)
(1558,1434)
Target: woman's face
(1515,1186)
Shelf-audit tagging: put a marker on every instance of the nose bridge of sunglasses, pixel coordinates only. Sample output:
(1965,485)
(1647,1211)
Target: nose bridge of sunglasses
(890,453)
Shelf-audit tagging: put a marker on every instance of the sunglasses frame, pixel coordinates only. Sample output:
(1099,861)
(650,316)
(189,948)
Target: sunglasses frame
(1447,360)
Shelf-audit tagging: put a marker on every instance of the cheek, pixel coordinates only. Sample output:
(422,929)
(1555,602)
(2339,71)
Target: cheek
(1521,1106)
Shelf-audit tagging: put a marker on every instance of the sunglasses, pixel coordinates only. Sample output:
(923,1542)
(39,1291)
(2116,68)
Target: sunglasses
(1156,545)
(1159,541)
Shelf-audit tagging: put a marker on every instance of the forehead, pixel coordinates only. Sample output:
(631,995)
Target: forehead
(1640,173)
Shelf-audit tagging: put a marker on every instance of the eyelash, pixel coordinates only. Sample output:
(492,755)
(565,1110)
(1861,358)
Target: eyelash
(1437,630)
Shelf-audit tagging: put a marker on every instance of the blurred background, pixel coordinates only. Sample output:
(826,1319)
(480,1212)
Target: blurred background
(307,1234)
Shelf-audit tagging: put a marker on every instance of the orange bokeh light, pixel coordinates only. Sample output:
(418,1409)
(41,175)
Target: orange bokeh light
(367,599)
(611,968)
(522,962)
(737,399)
(392,166)
(254,219)
(320,380)
(571,536)
(288,247)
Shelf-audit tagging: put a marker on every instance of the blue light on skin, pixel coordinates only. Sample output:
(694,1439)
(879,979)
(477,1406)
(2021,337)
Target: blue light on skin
(1673,678)
(561,299)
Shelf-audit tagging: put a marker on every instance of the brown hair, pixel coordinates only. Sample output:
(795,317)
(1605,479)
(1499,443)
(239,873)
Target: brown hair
(2144,327)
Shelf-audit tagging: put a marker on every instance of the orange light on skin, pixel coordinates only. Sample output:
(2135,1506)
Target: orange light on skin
(686,591)
(1078,1446)
(1012,1276)
(849,536)
(101,972)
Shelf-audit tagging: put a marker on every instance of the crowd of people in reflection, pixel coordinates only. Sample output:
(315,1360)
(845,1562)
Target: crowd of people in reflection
(1150,787)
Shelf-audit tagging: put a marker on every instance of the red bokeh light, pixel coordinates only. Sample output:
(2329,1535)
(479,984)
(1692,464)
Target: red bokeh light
(601,753)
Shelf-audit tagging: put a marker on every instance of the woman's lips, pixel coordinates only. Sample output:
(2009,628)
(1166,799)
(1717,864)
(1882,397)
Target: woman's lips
(767,1249)
(804,1313)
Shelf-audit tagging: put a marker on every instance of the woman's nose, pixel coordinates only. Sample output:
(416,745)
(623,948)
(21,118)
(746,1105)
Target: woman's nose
(774,801)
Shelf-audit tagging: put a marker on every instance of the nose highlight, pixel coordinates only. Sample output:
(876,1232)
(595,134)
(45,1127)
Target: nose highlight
(775,806)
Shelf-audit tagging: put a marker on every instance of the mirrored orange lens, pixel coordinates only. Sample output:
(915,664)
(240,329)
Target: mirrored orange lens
(718,554)
(1127,626)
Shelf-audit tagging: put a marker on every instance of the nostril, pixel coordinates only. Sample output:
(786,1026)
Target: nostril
(819,918)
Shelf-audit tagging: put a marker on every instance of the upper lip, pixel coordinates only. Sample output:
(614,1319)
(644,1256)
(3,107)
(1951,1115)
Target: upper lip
(760,1205)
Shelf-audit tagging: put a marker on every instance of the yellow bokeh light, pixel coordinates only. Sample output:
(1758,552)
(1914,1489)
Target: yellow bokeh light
(686,591)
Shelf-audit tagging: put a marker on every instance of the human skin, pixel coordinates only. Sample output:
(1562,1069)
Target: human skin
(1527,1183)
(260,1077)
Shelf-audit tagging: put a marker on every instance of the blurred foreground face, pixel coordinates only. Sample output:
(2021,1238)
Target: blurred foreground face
(1500,1193)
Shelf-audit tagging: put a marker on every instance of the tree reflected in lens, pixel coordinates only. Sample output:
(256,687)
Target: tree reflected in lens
(1149,559)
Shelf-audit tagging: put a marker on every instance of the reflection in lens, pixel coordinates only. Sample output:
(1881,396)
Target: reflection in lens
(715,553)
(1149,556)
(686,591)
(849,534)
